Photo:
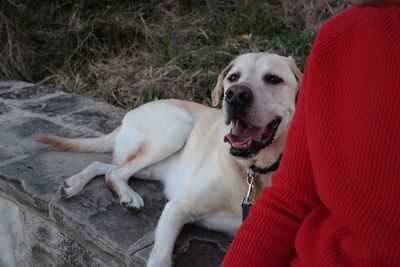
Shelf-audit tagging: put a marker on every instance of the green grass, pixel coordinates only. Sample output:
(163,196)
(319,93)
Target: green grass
(131,52)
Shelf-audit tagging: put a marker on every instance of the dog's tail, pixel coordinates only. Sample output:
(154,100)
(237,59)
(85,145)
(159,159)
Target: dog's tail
(98,144)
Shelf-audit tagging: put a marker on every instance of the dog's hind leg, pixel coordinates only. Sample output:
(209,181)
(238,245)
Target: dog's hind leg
(73,185)
(148,153)
(146,138)
(168,228)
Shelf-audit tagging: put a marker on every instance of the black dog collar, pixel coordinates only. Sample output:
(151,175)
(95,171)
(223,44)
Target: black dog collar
(268,169)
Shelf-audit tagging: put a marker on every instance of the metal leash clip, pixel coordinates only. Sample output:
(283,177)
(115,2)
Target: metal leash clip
(247,202)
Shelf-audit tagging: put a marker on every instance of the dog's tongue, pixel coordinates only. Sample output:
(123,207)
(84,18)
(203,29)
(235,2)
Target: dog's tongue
(241,136)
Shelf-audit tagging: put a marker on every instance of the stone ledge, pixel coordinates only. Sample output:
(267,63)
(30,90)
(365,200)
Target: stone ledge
(90,229)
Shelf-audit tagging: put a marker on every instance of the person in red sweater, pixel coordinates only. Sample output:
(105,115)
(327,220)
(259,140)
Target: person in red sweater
(335,199)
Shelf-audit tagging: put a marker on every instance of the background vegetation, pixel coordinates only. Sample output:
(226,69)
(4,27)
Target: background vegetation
(131,52)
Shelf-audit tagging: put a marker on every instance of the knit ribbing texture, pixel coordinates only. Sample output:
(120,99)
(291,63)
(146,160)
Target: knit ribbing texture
(335,200)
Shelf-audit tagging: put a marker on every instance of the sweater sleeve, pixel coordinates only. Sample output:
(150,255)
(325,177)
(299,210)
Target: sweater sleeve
(266,238)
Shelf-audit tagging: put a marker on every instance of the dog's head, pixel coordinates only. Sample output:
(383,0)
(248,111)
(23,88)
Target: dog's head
(260,91)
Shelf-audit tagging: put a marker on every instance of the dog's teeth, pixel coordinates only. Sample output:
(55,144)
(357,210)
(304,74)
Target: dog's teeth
(249,142)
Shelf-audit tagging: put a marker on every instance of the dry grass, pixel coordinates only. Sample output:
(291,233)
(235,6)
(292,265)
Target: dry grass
(13,53)
(129,53)
(312,13)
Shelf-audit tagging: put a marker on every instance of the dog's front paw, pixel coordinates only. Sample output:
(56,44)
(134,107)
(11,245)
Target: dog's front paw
(63,192)
(131,201)
(71,187)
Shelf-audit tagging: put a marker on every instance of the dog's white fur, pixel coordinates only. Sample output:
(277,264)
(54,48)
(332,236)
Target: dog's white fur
(181,144)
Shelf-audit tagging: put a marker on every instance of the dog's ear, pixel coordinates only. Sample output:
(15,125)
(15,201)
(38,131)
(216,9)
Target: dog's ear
(219,87)
(297,74)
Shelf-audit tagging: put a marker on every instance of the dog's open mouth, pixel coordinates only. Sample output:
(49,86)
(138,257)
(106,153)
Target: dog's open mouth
(247,140)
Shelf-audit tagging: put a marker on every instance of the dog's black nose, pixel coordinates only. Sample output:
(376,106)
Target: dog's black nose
(238,94)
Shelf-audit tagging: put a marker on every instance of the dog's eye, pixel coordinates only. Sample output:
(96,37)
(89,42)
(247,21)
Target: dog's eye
(233,77)
(272,79)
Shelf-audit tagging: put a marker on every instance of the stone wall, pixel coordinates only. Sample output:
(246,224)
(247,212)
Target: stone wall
(38,228)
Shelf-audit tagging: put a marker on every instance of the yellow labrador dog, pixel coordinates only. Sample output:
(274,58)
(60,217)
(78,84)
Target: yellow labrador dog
(200,154)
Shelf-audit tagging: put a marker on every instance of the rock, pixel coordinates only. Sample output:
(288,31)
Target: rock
(29,92)
(97,120)
(12,245)
(35,180)
(4,108)
(212,245)
(103,222)
(91,229)
(37,125)
(4,85)
(47,246)
(63,104)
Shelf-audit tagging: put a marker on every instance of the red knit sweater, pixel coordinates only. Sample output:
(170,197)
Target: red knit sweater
(335,200)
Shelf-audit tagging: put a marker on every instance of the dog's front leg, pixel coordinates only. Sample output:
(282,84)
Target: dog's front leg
(169,226)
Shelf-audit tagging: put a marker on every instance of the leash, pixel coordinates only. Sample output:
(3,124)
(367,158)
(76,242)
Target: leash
(248,201)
